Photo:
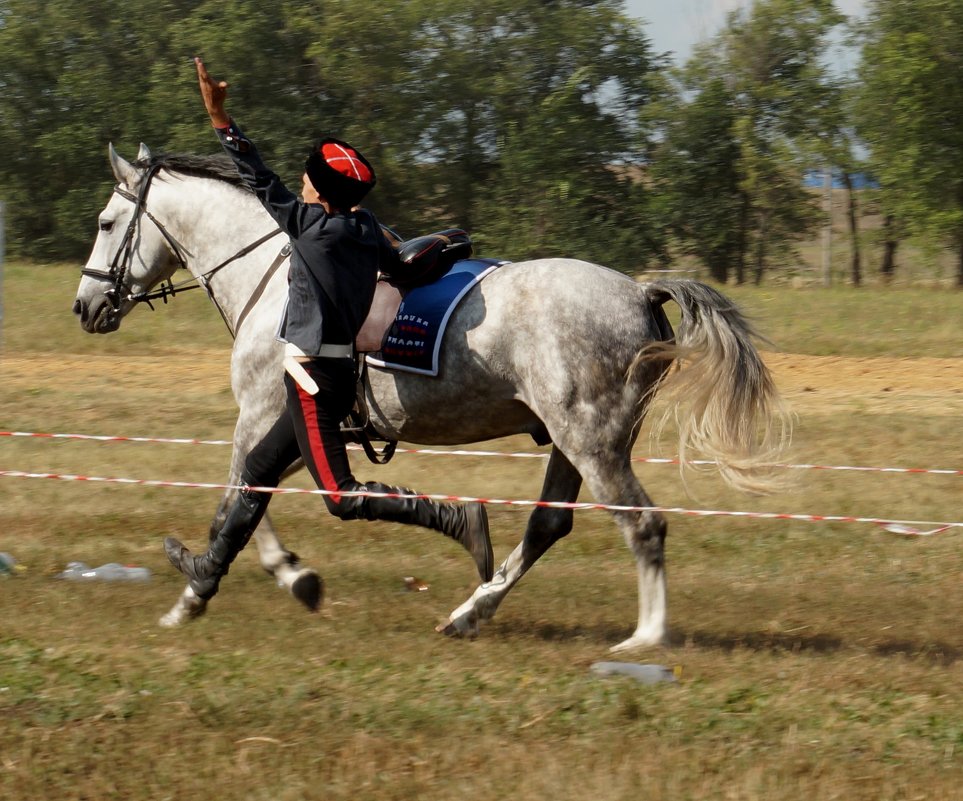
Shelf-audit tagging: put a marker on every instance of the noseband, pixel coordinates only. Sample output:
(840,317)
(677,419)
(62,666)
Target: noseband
(120,264)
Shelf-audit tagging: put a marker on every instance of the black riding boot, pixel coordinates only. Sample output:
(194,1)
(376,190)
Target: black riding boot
(205,572)
(466,524)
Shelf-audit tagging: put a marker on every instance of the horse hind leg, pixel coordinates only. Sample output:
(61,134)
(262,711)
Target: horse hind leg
(546,526)
(614,484)
(646,538)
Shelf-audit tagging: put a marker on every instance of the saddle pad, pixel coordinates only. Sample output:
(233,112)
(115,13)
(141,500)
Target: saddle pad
(414,340)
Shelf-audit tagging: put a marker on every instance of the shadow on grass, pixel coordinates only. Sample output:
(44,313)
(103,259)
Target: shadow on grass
(936,653)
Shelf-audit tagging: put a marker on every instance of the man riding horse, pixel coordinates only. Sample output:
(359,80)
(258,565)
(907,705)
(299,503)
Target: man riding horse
(337,251)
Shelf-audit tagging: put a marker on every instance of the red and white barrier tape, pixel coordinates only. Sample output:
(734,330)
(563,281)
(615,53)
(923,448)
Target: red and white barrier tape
(518,455)
(98,438)
(909,528)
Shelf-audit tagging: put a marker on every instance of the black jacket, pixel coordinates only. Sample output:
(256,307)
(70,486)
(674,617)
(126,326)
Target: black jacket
(335,258)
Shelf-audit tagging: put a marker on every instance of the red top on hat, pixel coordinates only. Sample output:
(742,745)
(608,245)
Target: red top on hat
(340,173)
(347,161)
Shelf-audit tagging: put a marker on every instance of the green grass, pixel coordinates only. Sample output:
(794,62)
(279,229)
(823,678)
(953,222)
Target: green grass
(841,321)
(817,660)
(38,319)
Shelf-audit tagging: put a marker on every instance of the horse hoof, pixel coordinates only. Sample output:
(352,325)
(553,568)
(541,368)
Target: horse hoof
(637,642)
(187,608)
(459,627)
(308,588)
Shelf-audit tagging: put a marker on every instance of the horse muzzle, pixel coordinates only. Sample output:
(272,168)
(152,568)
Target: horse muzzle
(99,318)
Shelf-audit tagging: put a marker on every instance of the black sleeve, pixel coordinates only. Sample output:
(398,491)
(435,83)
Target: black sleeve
(282,204)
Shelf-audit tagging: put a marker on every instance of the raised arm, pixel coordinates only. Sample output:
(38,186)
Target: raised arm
(214,94)
(281,203)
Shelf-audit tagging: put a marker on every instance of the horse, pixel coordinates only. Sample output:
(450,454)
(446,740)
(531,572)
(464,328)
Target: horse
(566,351)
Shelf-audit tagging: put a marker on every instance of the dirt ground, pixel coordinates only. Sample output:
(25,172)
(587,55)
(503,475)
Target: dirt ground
(816,384)
(822,384)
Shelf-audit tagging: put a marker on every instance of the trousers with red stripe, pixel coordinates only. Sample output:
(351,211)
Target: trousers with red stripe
(311,430)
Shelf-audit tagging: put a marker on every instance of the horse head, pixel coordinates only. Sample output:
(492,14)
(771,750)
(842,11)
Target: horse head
(131,254)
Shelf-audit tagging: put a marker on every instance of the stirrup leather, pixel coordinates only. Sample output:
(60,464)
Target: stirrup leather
(357,426)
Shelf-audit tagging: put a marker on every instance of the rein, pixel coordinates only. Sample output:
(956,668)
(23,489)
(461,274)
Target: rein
(120,264)
(170,289)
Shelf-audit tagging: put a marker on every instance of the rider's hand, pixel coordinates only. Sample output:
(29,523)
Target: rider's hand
(214,94)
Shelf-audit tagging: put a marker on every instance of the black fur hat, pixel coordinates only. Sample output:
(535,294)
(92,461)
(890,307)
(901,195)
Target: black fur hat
(339,173)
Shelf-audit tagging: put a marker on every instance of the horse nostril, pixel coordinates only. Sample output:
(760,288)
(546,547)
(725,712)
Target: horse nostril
(80,308)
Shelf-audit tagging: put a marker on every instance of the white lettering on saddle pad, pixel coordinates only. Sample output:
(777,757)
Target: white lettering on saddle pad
(414,340)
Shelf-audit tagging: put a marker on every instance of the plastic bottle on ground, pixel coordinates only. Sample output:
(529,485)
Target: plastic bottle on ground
(8,564)
(646,674)
(112,571)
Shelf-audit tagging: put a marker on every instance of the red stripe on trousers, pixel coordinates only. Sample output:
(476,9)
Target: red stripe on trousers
(320,458)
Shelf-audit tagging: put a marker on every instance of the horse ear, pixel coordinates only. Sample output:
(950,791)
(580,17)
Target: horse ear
(144,153)
(125,172)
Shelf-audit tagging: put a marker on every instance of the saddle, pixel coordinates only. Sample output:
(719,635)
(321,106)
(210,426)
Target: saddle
(423,260)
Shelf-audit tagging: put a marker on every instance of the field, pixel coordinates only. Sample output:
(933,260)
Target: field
(816,660)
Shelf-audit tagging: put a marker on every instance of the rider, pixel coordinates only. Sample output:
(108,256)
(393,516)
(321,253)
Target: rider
(337,251)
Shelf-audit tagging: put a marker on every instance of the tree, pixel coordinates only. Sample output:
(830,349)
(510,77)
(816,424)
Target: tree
(696,172)
(528,120)
(509,117)
(910,113)
(764,78)
(73,76)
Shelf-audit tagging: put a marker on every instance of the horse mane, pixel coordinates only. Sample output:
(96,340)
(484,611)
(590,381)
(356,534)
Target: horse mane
(218,167)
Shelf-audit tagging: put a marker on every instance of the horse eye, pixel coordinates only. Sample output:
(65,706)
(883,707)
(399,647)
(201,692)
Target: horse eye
(106,225)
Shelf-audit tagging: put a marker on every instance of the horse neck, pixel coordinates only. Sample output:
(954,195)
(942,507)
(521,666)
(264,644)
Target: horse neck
(213,221)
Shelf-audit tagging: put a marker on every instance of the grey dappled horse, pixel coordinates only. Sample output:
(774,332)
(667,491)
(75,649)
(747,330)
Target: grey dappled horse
(566,351)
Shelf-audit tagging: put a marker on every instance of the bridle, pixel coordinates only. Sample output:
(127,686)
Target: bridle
(120,264)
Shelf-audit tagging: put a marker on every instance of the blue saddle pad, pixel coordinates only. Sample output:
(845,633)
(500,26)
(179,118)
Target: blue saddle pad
(414,339)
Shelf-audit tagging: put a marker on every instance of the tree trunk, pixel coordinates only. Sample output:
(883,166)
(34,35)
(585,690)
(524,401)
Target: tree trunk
(888,267)
(718,267)
(828,227)
(743,244)
(855,266)
(760,265)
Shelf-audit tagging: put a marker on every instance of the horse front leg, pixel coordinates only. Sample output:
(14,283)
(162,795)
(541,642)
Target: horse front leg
(303,582)
(186,608)
(188,605)
(545,527)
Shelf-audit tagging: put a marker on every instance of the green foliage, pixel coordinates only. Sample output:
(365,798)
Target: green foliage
(697,171)
(454,102)
(543,128)
(910,112)
(740,121)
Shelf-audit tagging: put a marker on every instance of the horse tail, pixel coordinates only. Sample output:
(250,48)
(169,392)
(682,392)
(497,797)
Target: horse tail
(722,396)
